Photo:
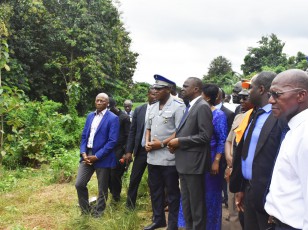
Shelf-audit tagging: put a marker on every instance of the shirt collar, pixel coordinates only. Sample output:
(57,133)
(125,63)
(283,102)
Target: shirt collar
(194,101)
(298,119)
(218,106)
(267,108)
(101,112)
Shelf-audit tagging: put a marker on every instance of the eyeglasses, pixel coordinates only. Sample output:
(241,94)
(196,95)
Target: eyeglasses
(276,94)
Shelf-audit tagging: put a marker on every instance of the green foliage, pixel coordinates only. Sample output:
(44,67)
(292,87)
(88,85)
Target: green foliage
(140,91)
(69,51)
(63,166)
(35,131)
(220,66)
(269,53)
(220,72)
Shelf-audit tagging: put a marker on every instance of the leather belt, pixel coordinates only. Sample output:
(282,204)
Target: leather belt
(274,220)
(89,152)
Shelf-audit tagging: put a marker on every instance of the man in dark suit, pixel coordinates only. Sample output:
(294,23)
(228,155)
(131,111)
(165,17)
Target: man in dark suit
(191,147)
(115,182)
(98,139)
(255,155)
(135,144)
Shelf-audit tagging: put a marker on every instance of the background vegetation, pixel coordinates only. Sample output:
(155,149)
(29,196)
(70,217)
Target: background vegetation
(55,56)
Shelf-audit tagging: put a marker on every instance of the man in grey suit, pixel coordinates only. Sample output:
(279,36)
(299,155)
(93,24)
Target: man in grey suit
(191,147)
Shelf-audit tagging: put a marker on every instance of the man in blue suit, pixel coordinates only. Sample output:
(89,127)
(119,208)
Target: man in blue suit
(98,139)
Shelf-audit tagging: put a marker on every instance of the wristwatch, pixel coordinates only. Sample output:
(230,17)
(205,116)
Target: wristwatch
(162,144)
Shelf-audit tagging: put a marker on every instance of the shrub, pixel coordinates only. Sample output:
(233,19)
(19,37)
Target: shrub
(35,131)
(64,166)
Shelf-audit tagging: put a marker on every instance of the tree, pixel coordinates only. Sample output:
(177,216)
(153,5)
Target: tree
(4,59)
(63,45)
(269,53)
(220,72)
(219,66)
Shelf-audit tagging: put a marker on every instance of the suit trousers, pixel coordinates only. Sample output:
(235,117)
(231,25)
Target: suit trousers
(139,166)
(115,180)
(193,200)
(253,219)
(159,178)
(84,175)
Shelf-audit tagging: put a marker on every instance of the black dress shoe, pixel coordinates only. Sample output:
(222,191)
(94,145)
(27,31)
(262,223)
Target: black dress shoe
(154,226)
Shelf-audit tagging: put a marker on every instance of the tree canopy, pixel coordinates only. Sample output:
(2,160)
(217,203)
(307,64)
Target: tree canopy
(69,50)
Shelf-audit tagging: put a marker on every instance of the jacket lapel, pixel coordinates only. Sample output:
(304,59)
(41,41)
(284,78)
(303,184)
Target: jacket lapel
(105,117)
(192,109)
(265,131)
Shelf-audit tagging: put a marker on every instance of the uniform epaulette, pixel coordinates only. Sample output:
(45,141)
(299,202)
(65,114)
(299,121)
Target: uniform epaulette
(178,101)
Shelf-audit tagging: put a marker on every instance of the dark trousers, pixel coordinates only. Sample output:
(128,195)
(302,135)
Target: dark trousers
(222,168)
(139,166)
(284,227)
(253,219)
(159,178)
(193,200)
(84,175)
(115,182)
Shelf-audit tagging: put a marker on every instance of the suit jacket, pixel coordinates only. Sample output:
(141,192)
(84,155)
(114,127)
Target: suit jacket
(105,139)
(230,116)
(124,120)
(194,135)
(136,130)
(263,162)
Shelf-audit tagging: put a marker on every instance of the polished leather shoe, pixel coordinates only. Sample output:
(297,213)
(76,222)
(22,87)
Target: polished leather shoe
(154,226)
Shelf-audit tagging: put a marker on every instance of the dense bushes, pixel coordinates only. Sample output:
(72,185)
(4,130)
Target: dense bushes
(35,132)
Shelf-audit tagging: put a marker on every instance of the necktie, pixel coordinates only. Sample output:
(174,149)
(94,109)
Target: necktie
(185,114)
(249,134)
(283,135)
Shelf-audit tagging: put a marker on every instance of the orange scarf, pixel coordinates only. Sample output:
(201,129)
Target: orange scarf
(239,131)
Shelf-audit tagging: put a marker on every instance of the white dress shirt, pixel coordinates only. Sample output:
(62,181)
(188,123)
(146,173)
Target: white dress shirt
(95,123)
(287,199)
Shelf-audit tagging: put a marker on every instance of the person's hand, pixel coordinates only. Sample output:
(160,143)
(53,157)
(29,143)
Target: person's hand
(239,201)
(155,144)
(92,159)
(173,145)
(228,172)
(148,147)
(85,158)
(215,167)
(128,158)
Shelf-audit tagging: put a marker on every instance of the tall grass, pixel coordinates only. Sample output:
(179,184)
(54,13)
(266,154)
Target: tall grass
(32,201)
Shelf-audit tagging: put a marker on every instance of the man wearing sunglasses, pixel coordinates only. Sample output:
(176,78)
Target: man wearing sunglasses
(287,200)
(255,155)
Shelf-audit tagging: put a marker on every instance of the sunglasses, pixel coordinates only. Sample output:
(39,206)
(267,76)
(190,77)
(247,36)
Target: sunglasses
(276,94)
(243,97)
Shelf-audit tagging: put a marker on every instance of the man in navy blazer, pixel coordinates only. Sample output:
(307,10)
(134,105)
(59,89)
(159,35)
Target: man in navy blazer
(98,139)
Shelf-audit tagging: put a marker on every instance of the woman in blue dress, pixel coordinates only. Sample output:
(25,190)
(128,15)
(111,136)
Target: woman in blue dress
(213,182)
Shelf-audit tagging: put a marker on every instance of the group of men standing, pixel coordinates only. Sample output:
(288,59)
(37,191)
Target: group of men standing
(173,140)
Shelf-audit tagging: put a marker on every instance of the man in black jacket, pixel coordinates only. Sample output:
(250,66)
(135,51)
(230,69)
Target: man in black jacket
(115,181)
(135,144)
(255,155)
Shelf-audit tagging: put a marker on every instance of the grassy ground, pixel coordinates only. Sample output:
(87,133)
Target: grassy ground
(28,200)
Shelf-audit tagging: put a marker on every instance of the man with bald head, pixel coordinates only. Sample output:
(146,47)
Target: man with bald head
(98,139)
(287,200)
